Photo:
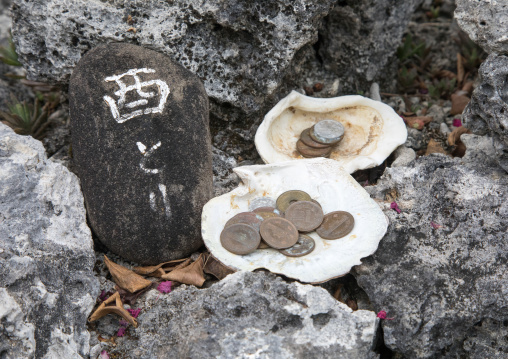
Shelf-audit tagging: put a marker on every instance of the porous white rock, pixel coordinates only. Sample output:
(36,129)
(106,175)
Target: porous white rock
(47,284)
(251,315)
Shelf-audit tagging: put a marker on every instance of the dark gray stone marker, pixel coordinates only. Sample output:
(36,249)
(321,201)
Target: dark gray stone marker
(141,145)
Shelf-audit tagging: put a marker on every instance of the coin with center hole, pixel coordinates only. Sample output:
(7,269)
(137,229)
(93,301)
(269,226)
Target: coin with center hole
(307,151)
(287,198)
(250,218)
(267,209)
(303,246)
(240,238)
(307,140)
(278,232)
(336,225)
(327,132)
(261,202)
(305,215)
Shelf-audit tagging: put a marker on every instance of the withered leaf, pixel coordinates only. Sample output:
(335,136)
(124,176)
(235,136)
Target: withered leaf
(113,305)
(418,122)
(459,102)
(454,136)
(216,268)
(149,270)
(435,147)
(125,278)
(130,298)
(454,140)
(192,274)
(460,68)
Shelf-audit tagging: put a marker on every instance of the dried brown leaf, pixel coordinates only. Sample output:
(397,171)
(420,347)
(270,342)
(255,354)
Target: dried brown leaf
(113,305)
(192,274)
(418,122)
(125,278)
(216,268)
(446,74)
(459,102)
(460,69)
(435,147)
(130,298)
(148,270)
(468,87)
(454,136)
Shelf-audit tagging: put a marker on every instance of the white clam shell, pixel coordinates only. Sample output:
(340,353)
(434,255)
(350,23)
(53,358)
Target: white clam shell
(325,181)
(372,129)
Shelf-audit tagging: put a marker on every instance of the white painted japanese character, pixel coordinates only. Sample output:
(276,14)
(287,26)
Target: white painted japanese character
(117,106)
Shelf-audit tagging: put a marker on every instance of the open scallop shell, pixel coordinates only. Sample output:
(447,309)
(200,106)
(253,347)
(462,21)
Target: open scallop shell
(325,181)
(372,129)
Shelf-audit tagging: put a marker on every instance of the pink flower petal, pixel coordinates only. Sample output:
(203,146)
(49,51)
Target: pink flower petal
(382,315)
(395,207)
(123,323)
(134,312)
(104,355)
(435,225)
(121,332)
(457,122)
(103,296)
(164,287)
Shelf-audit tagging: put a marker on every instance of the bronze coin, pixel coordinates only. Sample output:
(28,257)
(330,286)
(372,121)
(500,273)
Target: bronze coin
(240,238)
(278,232)
(250,218)
(307,140)
(305,215)
(261,202)
(267,209)
(266,215)
(304,246)
(316,202)
(336,225)
(287,198)
(307,151)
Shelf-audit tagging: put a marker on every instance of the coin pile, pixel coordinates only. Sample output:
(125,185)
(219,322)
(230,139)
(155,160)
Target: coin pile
(319,140)
(282,224)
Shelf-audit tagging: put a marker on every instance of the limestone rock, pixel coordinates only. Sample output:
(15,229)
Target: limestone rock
(487,112)
(251,315)
(441,268)
(242,50)
(485,21)
(142,152)
(47,285)
(359,39)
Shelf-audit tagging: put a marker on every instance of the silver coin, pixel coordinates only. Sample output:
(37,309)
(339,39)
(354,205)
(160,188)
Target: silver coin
(261,202)
(327,131)
(304,246)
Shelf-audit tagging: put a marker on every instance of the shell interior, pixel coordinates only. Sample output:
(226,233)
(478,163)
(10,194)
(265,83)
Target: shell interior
(372,129)
(327,182)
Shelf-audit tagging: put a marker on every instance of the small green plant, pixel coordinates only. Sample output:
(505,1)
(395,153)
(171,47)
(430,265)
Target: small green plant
(442,88)
(473,54)
(434,12)
(25,118)
(8,54)
(406,79)
(410,49)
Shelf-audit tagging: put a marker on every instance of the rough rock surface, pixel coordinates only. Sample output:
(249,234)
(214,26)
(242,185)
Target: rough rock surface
(441,268)
(487,112)
(359,38)
(47,285)
(151,172)
(246,315)
(242,50)
(485,21)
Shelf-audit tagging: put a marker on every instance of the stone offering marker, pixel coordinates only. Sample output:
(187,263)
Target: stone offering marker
(141,145)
